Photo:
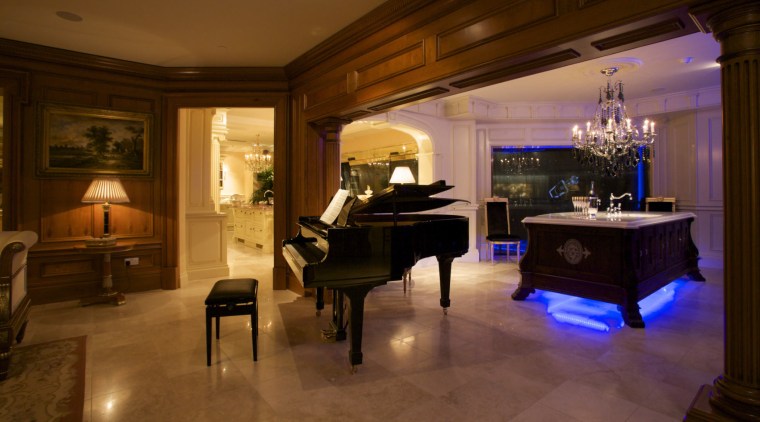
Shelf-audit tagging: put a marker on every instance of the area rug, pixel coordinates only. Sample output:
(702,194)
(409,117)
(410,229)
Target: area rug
(45,382)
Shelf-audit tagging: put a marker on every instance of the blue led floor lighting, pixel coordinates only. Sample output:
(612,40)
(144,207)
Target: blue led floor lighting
(602,316)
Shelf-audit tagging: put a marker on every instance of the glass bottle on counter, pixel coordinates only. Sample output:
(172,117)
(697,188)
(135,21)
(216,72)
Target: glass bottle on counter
(593,202)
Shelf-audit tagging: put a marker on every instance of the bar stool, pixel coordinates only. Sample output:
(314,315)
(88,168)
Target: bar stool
(231,297)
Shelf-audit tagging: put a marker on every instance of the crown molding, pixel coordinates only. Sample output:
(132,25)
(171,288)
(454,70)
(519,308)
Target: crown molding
(474,108)
(58,56)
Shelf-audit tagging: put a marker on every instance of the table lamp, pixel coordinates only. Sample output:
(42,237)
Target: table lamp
(105,191)
(402,175)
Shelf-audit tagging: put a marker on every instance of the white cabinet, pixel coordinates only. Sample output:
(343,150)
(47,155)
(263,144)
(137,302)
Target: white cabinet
(254,226)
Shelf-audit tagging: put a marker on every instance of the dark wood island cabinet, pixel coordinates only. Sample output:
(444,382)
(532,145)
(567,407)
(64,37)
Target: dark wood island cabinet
(618,259)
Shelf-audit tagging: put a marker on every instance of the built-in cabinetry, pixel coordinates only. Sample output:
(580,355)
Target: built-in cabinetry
(227,209)
(254,226)
(619,259)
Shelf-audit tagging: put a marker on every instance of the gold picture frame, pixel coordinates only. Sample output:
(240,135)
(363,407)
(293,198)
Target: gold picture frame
(83,140)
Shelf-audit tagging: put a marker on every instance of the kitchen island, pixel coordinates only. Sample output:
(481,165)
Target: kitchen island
(616,258)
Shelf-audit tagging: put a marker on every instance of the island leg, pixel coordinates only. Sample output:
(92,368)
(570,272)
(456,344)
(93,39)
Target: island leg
(695,275)
(523,289)
(629,309)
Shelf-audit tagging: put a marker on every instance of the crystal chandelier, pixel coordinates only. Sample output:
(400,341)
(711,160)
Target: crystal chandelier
(259,160)
(611,143)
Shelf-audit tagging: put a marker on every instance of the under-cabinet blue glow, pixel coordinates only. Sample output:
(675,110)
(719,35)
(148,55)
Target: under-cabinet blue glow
(602,316)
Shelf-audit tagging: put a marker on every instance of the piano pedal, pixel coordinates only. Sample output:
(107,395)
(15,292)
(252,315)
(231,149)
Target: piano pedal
(329,335)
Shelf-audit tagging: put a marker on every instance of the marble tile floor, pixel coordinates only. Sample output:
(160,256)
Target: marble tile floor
(489,359)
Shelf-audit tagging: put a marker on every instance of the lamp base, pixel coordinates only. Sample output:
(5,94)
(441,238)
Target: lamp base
(100,242)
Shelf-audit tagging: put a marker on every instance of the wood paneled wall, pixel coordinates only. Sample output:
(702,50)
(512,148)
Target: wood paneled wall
(405,52)
(50,204)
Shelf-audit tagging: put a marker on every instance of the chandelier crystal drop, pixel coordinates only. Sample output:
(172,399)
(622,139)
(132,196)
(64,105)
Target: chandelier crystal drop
(611,143)
(259,160)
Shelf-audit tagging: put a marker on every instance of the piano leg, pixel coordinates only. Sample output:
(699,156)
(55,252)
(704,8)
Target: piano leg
(320,300)
(356,297)
(444,273)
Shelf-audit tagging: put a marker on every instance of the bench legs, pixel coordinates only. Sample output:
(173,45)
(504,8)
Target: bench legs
(216,312)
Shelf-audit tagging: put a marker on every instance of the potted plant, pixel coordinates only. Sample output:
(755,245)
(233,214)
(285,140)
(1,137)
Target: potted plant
(265,182)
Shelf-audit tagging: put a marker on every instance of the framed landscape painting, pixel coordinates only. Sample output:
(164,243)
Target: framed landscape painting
(81,140)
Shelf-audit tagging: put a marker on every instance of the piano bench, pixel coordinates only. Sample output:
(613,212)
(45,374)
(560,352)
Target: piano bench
(231,297)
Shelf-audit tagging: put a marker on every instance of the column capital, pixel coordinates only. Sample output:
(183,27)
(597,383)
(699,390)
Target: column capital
(329,128)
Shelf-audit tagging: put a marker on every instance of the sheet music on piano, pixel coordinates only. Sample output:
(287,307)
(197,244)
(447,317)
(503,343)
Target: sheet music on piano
(333,210)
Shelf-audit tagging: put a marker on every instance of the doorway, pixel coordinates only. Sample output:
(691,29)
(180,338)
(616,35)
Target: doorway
(220,168)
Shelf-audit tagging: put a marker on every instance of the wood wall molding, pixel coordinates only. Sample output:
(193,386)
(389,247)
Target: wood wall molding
(475,44)
(508,18)
(405,52)
(45,56)
(15,94)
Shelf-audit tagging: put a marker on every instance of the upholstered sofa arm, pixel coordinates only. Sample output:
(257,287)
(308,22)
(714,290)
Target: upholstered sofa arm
(14,247)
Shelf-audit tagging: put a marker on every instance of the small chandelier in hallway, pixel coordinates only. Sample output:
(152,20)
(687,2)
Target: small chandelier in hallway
(259,160)
(611,143)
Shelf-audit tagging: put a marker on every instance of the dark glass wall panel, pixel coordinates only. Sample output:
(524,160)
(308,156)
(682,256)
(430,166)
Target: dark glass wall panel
(542,180)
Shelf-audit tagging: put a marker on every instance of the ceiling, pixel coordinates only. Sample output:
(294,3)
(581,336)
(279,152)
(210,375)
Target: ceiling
(273,33)
(182,32)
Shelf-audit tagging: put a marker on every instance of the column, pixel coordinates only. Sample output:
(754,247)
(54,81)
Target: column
(203,247)
(735,394)
(218,135)
(329,131)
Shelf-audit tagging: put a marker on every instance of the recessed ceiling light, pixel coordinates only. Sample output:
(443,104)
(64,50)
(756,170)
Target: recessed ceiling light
(73,17)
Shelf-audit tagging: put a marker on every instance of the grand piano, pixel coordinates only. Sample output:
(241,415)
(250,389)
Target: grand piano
(371,242)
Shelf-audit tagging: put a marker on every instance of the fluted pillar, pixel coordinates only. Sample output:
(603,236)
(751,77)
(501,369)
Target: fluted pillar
(735,394)
(329,131)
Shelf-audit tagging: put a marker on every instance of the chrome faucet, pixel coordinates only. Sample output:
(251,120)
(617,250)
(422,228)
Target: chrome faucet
(268,194)
(616,209)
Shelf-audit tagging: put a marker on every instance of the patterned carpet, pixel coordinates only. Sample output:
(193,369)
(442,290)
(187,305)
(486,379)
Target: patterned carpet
(45,382)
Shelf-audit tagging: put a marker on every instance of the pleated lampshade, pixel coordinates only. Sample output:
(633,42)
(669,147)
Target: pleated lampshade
(105,190)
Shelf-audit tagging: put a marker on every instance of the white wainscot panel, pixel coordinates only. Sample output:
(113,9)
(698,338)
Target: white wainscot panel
(206,246)
(545,111)
(715,158)
(555,135)
(679,102)
(648,107)
(204,240)
(716,232)
(574,111)
(520,112)
(513,134)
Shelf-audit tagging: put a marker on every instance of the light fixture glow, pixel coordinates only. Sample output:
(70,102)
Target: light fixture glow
(105,191)
(260,159)
(611,142)
(402,174)
(602,316)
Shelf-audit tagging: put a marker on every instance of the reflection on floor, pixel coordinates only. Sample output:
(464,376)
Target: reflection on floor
(490,358)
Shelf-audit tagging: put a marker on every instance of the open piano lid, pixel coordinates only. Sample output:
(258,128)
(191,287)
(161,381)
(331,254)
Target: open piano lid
(404,198)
